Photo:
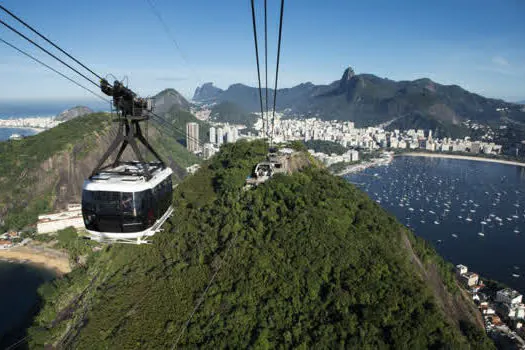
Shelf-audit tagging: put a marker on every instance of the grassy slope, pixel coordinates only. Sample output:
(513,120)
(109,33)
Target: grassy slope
(302,261)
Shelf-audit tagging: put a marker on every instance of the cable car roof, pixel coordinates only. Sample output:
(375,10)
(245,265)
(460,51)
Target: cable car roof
(127,177)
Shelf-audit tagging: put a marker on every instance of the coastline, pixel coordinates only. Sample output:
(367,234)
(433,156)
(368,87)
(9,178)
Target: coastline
(57,261)
(385,159)
(452,156)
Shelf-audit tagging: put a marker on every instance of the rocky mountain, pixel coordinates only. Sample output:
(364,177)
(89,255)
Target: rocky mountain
(206,92)
(169,99)
(368,100)
(74,112)
(303,261)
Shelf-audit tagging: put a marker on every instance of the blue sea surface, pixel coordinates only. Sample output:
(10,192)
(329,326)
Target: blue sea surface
(22,109)
(18,297)
(473,212)
(6,132)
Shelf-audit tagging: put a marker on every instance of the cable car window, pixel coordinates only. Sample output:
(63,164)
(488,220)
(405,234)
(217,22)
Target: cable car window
(126,202)
(140,200)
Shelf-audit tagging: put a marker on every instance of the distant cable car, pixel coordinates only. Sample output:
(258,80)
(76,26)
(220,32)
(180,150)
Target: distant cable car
(127,201)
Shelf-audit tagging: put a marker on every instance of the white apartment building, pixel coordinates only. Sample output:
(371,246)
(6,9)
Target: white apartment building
(51,223)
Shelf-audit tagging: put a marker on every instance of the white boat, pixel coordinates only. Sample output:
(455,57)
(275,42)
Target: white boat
(481,234)
(515,275)
(431,212)
(454,235)
(411,209)
(468,219)
(436,222)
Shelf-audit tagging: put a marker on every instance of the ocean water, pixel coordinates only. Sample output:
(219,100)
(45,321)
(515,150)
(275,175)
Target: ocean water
(18,298)
(25,109)
(30,108)
(472,212)
(6,132)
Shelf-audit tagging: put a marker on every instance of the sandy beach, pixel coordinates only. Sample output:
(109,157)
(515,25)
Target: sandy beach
(452,156)
(45,257)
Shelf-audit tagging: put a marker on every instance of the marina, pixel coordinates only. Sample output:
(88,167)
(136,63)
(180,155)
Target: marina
(470,211)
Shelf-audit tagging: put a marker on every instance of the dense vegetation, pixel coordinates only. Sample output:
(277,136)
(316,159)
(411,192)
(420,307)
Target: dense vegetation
(304,261)
(441,129)
(327,147)
(229,112)
(19,159)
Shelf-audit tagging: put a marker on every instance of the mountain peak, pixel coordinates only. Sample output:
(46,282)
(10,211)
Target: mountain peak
(206,92)
(168,98)
(74,112)
(348,74)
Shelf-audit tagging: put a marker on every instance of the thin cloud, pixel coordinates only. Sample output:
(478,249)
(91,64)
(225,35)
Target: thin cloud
(172,79)
(500,61)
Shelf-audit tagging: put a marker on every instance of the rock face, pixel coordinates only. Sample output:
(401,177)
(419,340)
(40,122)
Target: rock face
(206,92)
(74,112)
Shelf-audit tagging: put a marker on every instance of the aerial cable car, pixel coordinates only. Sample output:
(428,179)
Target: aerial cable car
(127,201)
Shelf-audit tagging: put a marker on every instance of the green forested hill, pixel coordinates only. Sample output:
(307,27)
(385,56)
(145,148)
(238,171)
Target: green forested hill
(46,171)
(303,261)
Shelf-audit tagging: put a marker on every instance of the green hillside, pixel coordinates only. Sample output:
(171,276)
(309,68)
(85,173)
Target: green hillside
(179,118)
(303,261)
(46,170)
(229,112)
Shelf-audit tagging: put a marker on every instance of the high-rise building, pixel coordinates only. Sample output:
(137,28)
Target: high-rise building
(192,137)
(220,136)
(231,134)
(213,136)
(235,134)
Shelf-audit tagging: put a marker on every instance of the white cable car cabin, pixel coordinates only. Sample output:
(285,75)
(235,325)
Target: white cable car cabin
(121,205)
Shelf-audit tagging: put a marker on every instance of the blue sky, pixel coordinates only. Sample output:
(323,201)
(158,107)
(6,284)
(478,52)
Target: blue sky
(477,44)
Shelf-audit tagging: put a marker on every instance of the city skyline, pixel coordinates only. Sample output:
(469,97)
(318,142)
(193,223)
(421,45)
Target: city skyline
(450,43)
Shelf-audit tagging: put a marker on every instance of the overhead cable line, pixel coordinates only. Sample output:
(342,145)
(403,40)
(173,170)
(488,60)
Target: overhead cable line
(257,57)
(170,35)
(266,64)
(49,53)
(171,127)
(49,41)
(54,70)
(277,67)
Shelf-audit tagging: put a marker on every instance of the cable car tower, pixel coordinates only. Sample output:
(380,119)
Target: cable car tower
(127,201)
(131,110)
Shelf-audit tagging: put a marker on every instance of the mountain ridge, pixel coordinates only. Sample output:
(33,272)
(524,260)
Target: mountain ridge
(368,100)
